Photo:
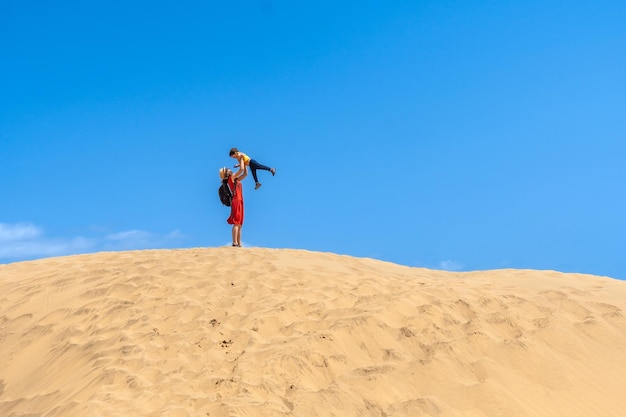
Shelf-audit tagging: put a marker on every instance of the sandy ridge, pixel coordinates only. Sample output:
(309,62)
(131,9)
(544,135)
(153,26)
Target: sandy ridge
(270,332)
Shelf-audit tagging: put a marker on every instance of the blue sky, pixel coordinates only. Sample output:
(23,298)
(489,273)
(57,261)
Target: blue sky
(441,134)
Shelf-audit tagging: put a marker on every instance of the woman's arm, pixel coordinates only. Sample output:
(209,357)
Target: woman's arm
(242,176)
(239,176)
(241,166)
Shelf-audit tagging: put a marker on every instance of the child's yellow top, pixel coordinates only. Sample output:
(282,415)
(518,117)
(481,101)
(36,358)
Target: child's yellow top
(246,158)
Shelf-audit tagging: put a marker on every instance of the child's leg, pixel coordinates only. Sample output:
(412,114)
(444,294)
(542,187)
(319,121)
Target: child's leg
(253,170)
(258,166)
(254,165)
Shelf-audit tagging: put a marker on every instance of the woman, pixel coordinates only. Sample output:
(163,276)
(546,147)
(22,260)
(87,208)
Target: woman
(236,204)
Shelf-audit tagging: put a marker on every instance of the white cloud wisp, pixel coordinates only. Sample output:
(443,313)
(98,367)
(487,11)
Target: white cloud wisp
(26,241)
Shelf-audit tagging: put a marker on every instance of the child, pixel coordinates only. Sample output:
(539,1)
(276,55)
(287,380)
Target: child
(244,161)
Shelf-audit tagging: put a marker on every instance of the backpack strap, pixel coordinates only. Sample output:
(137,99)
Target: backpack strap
(232,190)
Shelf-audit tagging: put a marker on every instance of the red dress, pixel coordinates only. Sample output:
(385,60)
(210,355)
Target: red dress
(236,204)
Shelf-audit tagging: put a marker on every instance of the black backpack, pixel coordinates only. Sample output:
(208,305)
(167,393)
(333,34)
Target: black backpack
(225,193)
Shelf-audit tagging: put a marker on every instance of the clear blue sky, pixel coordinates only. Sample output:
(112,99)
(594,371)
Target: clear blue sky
(442,134)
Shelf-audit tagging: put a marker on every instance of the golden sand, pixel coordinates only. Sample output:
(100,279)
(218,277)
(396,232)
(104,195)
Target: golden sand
(278,332)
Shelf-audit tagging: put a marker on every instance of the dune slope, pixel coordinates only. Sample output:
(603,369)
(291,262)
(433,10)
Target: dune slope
(271,332)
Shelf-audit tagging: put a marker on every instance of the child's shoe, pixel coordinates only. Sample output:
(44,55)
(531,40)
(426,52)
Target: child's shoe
(257,186)
(273,171)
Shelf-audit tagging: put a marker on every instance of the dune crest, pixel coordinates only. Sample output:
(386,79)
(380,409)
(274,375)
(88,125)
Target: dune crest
(271,332)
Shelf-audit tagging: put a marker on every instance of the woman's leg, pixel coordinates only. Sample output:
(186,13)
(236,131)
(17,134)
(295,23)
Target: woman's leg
(235,233)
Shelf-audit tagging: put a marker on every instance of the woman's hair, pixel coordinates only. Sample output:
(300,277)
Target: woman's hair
(224,173)
(233,151)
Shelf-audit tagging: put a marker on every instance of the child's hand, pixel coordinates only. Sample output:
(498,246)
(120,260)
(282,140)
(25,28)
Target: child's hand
(236,166)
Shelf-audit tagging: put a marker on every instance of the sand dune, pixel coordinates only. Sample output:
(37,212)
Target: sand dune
(276,332)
